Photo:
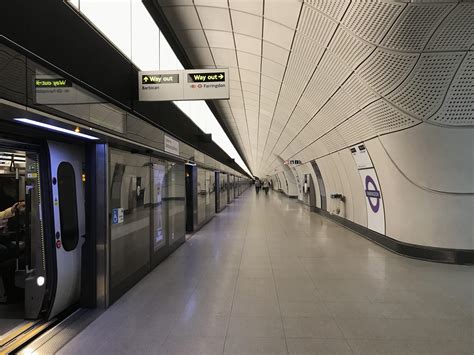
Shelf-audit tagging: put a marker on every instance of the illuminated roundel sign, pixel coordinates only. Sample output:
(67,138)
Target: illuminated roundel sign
(372,193)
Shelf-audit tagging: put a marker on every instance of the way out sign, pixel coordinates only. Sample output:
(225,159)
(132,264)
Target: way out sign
(196,84)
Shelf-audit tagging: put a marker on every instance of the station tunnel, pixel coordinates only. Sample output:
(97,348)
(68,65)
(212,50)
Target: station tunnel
(237,177)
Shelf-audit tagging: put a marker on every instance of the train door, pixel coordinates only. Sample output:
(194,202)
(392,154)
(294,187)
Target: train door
(68,197)
(22,265)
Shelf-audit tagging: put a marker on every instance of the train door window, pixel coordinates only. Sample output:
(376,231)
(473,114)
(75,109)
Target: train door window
(68,206)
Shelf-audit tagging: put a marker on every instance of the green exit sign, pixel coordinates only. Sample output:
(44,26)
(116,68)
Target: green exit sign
(160,79)
(53,83)
(206,77)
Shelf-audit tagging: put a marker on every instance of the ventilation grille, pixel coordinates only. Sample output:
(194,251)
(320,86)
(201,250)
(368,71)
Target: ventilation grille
(299,68)
(423,91)
(385,118)
(334,9)
(413,29)
(313,151)
(359,50)
(329,75)
(338,108)
(359,92)
(316,26)
(371,20)
(356,129)
(458,108)
(457,30)
(333,141)
(385,70)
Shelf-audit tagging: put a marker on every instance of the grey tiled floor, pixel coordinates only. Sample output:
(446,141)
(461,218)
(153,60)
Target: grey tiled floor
(266,276)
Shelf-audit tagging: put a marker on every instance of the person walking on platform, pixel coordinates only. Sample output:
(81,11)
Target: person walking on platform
(266,186)
(258,184)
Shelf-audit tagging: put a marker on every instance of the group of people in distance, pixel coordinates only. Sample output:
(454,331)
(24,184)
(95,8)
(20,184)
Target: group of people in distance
(262,184)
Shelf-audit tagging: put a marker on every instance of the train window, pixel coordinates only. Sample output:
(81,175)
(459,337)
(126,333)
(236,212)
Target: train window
(68,206)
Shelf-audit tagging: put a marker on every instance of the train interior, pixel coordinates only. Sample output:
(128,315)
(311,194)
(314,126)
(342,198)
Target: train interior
(18,174)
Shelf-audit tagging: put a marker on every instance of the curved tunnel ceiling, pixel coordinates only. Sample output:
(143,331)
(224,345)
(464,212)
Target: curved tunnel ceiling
(310,78)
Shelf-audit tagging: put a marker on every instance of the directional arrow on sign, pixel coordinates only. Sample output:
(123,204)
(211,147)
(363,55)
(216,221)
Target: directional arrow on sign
(221,76)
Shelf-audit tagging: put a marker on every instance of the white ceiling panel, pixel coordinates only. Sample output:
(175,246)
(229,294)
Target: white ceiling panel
(214,3)
(275,53)
(383,62)
(334,9)
(268,94)
(247,24)
(316,26)
(285,12)
(249,76)
(201,56)
(415,26)
(192,38)
(371,21)
(457,30)
(183,17)
(272,69)
(278,34)
(270,84)
(360,50)
(214,18)
(251,6)
(220,39)
(249,61)
(248,44)
(251,88)
(224,57)
(234,73)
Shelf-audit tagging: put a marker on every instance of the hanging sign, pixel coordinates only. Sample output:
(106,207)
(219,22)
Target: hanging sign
(176,85)
(160,85)
(206,84)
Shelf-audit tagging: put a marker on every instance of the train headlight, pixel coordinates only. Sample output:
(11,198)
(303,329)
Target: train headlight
(40,281)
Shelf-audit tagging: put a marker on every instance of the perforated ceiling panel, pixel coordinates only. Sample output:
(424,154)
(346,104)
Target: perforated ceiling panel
(312,76)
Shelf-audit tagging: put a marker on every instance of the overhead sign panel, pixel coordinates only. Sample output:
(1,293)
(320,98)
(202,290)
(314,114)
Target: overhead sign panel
(206,84)
(196,84)
(160,85)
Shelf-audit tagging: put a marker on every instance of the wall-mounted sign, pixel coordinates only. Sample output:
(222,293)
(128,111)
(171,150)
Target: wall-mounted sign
(171,145)
(361,156)
(292,162)
(371,186)
(196,84)
(53,90)
(117,215)
(53,83)
(375,210)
